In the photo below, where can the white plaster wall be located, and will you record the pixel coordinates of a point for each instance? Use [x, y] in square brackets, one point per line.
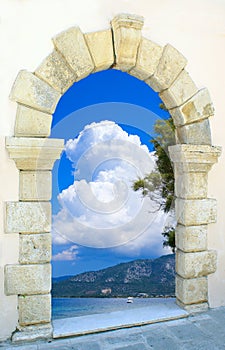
[195, 27]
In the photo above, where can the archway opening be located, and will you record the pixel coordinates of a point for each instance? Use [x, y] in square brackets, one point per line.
[108, 112]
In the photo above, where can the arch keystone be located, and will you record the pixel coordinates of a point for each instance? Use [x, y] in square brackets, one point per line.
[127, 36]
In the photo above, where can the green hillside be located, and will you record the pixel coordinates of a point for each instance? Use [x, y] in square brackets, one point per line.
[152, 277]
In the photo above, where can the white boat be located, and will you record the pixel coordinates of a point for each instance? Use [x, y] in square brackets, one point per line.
[130, 300]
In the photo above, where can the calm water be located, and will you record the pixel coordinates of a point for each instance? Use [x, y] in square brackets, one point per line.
[72, 307]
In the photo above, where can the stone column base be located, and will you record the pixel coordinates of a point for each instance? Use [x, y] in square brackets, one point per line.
[35, 332]
[193, 308]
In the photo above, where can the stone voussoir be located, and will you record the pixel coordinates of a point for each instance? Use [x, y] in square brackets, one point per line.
[192, 212]
[191, 238]
[192, 291]
[35, 185]
[100, 45]
[35, 248]
[71, 44]
[34, 309]
[28, 217]
[55, 71]
[148, 58]
[171, 63]
[198, 264]
[197, 108]
[32, 123]
[195, 134]
[31, 91]
[181, 90]
[127, 36]
[27, 279]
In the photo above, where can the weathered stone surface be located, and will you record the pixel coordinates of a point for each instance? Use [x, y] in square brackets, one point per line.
[31, 91]
[195, 134]
[35, 248]
[148, 58]
[127, 35]
[192, 265]
[27, 279]
[100, 45]
[193, 308]
[34, 309]
[28, 217]
[35, 185]
[194, 158]
[34, 153]
[179, 92]
[191, 238]
[195, 212]
[191, 291]
[34, 332]
[191, 185]
[199, 107]
[32, 123]
[73, 47]
[56, 72]
[169, 67]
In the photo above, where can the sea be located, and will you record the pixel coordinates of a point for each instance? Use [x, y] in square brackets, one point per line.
[74, 307]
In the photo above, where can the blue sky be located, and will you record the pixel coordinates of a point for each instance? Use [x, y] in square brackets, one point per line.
[107, 121]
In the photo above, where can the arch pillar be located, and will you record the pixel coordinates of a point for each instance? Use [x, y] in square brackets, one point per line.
[194, 212]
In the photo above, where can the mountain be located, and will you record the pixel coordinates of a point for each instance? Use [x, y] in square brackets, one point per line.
[145, 277]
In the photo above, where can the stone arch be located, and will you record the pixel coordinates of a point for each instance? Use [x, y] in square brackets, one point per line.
[75, 56]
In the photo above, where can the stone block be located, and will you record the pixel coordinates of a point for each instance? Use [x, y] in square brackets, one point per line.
[182, 89]
[28, 217]
[33, 332]
[191, 238]
[193, 308]
[100, 45]
[127, 36]
[35, 248]
[198, 264]
[195, 134]
[194, 158]
[191, 185]
[170, 66]
[31, 91]
[34, 153]
[148, 58]
[192, 291]
[32, 123]
[71, 44]
[195, 212]
[35, 185]
[56, 72]
[199, 107]
[34, 309]
[27, 279]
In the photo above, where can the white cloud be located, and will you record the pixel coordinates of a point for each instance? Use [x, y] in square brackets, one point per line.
[100, 209]
[69, 254]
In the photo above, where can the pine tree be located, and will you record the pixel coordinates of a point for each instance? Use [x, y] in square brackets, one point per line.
[159, 184]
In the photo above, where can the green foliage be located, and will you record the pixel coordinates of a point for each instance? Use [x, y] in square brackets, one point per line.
[159, 184]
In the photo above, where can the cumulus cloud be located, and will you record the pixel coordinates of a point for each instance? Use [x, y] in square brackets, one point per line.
[100, 209]
[69, 254]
